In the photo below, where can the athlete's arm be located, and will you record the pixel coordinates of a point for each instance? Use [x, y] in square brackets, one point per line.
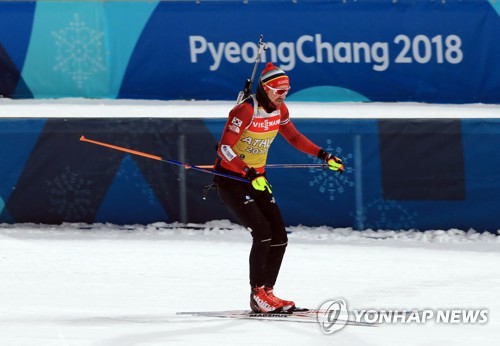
[294, 137]
[239, 119]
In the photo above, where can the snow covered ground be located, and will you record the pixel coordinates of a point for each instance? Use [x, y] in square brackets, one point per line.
[105, 285]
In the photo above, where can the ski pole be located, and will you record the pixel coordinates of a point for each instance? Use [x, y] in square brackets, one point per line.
[285, 165]
[159, 158]
[247, 90]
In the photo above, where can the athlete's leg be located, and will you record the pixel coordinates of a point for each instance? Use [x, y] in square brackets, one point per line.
[270, 209]
[240, 198]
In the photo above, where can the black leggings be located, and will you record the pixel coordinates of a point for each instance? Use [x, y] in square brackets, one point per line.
[259, 213]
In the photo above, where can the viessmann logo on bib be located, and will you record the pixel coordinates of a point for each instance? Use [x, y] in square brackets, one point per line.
[265, 124]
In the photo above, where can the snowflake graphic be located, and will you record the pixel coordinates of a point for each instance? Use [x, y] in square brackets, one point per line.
[390, 215]
[69, 196]
[79, 51]
[332, 184]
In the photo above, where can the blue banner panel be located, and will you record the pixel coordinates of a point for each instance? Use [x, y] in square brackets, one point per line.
[17, 140]
[426, 51]
[422, 160]
[81, 48]
[433, 174]
[16, 19]
[365, 50]
[66, 180]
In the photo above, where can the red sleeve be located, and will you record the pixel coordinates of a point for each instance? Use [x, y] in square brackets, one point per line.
[239, 119]
[293, 136]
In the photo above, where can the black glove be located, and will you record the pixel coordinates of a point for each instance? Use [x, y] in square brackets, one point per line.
[334, 163]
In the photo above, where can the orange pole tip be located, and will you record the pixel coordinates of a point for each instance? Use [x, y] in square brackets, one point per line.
[82, 138]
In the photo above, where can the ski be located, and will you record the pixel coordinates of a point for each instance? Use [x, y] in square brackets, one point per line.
[299, 315]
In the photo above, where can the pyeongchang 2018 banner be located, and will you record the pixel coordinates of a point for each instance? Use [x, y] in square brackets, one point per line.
[364, 50]
[427, 51]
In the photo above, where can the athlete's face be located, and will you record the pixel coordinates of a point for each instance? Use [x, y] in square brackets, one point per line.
[277, 95]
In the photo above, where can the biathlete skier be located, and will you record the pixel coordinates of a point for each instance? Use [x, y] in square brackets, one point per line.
[249, 131]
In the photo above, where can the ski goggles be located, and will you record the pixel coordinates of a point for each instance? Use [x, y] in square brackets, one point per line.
[279, 91]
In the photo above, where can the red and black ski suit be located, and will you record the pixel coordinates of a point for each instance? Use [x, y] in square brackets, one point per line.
[245, 142]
